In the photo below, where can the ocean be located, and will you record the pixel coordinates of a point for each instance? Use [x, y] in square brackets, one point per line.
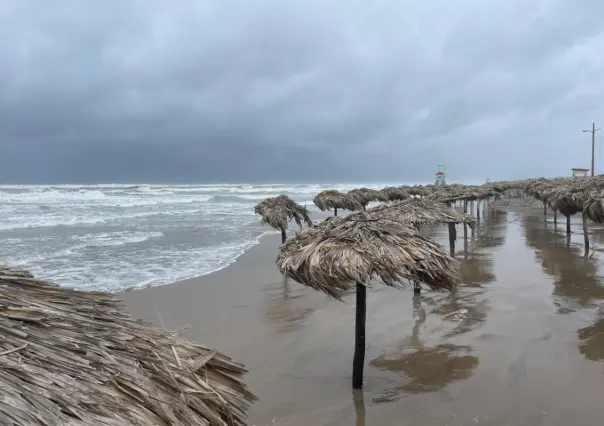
[118, 237]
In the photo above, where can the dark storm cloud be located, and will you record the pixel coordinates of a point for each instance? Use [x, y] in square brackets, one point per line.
[227, 90]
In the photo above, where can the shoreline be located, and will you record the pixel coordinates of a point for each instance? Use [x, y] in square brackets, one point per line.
[513, 205]
[257, 241]
[269, 233]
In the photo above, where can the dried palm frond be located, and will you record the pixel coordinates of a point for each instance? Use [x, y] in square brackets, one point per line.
[341, 252]
[278, 211]
[333, 199]
[69, 357]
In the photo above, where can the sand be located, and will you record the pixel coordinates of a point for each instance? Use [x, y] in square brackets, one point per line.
[520, 343]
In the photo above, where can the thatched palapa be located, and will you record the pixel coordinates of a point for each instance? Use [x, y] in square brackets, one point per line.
[395, 193]
[336, 200]
[421, 212]
[594, 206]
[365, 196]
[278, 211]
[76, 358]
[341, 254]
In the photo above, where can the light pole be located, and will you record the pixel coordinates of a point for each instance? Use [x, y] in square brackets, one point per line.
[593, 144]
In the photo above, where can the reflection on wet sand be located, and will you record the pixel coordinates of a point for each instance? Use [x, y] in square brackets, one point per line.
[476, 269]
[466, 308]
[286, 308]
[592, 341]
[576, 278]
[358, 397]
[430, 369]
[425, 369]
[577, 283]
[493, 231]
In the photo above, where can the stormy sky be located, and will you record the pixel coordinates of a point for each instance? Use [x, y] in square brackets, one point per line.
[298, 91]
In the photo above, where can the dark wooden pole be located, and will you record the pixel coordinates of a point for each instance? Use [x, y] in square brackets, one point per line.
[335, 211]
[585, 234]
[478, 210]
[283, 236]
[452, 237]
[545, 210]
[358, 362]
[465, 225]
[568, 224]
[472, 214]
[555, 219]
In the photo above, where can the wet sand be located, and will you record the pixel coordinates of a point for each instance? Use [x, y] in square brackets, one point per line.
[520, 343]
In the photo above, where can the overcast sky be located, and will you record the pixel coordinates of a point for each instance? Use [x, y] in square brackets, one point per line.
[307, 91]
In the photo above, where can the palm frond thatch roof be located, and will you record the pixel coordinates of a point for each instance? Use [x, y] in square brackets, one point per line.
[395, 193]
[594, 206]
[366, 195]
[567, 200]
[333, 199]
[418, 190]
[76, 358]
[341, 252]
[278, 211]
[421, 212]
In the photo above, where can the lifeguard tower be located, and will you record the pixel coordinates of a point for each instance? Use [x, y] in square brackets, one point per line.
[440, 176]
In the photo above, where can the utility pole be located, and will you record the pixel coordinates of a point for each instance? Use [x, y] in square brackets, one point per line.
[593, 144]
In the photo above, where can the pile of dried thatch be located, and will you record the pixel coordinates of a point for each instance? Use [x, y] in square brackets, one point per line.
[76, 358]
[341, 252]
[278, 211]
[332, 199]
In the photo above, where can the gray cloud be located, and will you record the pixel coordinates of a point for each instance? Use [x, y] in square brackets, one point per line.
[145, 90]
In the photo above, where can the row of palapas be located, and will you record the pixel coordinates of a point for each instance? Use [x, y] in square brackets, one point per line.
[77, 358]
[344, 254]
[341, 255]
[569, 196]
[417, 205]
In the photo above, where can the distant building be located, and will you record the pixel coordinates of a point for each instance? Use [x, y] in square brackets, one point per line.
[580, 172]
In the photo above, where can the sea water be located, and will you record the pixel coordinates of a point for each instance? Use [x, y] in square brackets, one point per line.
[117, 237]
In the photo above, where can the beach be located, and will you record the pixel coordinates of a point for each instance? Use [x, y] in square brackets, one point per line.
[519, 343]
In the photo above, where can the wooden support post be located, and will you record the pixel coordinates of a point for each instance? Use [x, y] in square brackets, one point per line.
[358, 363]
[585, 234]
